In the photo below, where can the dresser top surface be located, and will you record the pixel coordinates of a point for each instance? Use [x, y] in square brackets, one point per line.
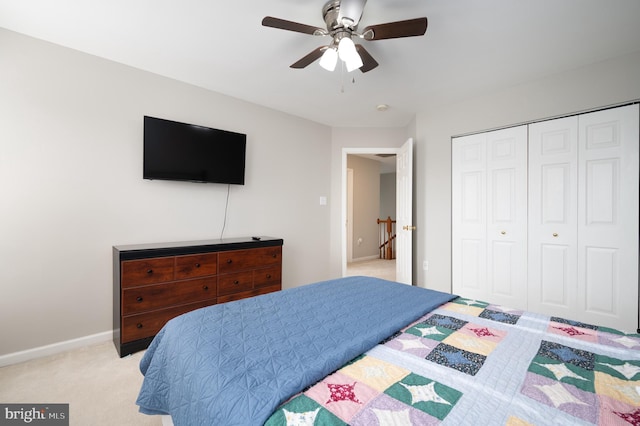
[187, 247]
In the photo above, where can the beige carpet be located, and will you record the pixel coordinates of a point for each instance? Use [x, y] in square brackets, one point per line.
[380, 268]
[100, 388]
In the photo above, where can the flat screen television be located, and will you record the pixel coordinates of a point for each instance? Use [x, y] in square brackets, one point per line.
[186, 152]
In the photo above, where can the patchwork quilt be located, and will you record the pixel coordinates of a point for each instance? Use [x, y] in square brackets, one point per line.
[474, 363]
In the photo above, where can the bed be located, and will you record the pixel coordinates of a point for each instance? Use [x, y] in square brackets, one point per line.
[365, 351]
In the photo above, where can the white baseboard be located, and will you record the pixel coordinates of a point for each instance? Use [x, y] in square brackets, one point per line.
[362, 259]
[55, 348]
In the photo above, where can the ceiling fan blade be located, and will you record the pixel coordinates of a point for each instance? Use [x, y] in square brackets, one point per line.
[282, 24]
[367, 59]
[408, 28]
[351, 10]
[310, 58]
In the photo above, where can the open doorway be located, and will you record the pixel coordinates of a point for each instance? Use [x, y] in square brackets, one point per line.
[404, 207]
[371, 212]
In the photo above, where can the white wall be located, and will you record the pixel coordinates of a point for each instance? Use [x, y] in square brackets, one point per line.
[366, 205]
[606, 83]
[387, 196]
[71, 185]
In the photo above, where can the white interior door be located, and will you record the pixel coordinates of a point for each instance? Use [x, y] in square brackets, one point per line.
[507, 216]
[608, 217]
[469, 224]
[404, 213]
[553, 217]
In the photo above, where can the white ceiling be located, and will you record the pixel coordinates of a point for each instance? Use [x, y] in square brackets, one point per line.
[471, 47]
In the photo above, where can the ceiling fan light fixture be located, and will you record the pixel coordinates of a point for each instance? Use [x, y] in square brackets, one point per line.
[346, 48]
[354, 63]
[348, 53]
[329, 59]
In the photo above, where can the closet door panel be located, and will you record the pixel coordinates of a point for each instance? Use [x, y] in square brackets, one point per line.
[503, 277]
[473, 254]
[469, 252]
[555, 268]
[602, 283]
[608, 217]
[471, 275]
[553, 148]
[507, 216]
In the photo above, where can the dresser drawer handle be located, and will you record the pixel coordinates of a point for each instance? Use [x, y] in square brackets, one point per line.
[275, 255]
[229, 261]
[268, 276]
[205, 287]
[149, 271]
[236, 282]
[139, 299]
[139, 325]
[197, 265]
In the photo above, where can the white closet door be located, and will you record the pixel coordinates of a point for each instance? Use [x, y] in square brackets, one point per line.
[469, 225]
[608, 217]
[489, 208]
[553, 216]
[507, 216]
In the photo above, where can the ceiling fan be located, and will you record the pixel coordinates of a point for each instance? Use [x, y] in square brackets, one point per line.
[341, 18]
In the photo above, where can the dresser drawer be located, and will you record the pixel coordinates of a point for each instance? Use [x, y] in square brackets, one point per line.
[267, 277]
[147, 271]
[136, 327]
[268, 256]
[196, 265]
[246, 259]
[234, 283]
[157, 296]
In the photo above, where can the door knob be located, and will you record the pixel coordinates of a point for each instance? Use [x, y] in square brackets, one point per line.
[409, 228]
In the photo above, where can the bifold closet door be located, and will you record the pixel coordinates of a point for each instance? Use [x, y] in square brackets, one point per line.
[553, 217]
[489, 216]
[608, 216]
[583, 217]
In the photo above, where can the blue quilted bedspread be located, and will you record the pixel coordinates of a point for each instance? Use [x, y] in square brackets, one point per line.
[235, 363]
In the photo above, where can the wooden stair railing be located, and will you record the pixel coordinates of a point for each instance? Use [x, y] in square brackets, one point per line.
[386, 238]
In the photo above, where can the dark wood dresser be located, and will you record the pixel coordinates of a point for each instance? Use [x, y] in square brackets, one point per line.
[153, 283]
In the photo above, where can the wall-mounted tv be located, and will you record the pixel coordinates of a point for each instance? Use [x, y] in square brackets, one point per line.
[186, 152]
